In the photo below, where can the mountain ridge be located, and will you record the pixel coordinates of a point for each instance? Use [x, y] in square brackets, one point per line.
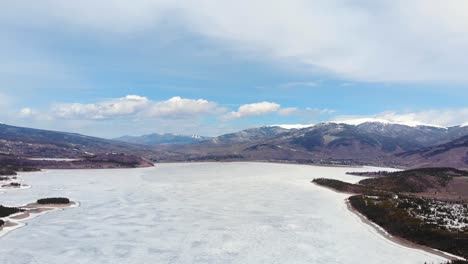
[156, 139]
[31, 142]
[336, 143]
[369, 143]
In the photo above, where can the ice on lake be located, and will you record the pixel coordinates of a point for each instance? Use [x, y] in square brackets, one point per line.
[197, 213]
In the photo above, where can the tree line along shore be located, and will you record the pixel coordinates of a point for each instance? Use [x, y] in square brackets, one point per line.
[44, 203]
[421, 205]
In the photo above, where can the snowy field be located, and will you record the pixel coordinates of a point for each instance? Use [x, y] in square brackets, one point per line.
[197, 213]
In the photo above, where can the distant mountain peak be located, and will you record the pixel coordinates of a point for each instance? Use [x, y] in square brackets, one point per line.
[359, 121]
[166, 138]
[293, 126]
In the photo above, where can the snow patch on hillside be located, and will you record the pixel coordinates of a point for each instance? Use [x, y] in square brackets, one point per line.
[293, 126]
[358, 121]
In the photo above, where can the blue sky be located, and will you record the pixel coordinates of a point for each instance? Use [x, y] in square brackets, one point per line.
[210, 67]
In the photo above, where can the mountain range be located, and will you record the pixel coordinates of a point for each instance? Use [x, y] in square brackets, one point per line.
[31, 143]
[370, 143]
[156, 139]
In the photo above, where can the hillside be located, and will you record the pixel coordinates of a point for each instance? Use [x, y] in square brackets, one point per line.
[326, 143]
[29, 142]
[96, 161]
[453, 154]
[332, 141]
[422, 135]
[427, 206]
[36, 148]
[224, 147]
[443, 181]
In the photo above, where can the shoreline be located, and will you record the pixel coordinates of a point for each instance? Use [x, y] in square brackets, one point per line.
[399, 240]
[383, 232]
[395, 239]
[33, 210]
[273, 162]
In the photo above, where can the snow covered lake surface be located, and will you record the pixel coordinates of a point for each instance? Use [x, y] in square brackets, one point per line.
[197, 213]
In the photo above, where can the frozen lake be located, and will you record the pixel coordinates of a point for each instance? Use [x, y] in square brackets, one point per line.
[197, 213]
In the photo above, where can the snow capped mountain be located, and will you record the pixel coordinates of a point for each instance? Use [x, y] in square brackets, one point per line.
[359, 121]
[155, 139]
[293, 126]
[250, 134]
[358, 143]
[365, 143]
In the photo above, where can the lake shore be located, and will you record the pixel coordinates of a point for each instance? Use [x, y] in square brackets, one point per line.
[32, 210]
[399, 240]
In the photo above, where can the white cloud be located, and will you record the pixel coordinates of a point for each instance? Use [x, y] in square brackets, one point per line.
[33, 115]
[264, 108]
[417, 40]
[130, 106]
[249, 110]
[26, 113]
[178, 107]
[363, 40]
[134, 105]
[124, 106]
[443, 118]
[114, 16]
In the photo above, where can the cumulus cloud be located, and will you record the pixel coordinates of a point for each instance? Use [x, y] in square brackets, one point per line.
[124, 106]
[130, 106]
[175, 108]
[254, 109]
[264, 108]
[178, 107]
[444, 118]
[418, 40]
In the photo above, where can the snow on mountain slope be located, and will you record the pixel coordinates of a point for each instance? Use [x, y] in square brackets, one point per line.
[293, 126]
[359, 121]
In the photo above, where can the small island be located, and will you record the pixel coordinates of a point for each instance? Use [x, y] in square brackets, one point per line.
[12, 218]
[55, 200]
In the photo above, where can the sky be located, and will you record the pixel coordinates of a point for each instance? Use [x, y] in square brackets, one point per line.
[112, 68]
